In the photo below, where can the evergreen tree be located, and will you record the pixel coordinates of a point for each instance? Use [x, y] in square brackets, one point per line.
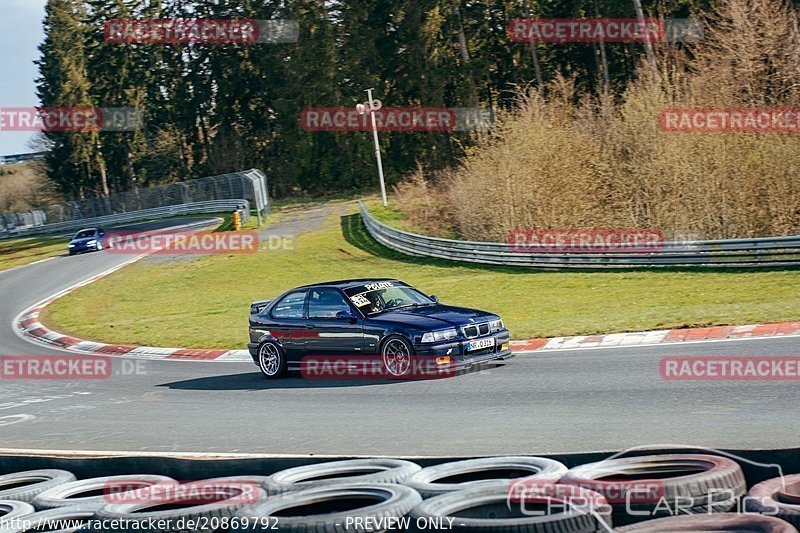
[75, 162]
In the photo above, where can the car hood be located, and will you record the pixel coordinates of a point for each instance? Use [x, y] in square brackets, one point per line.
[431, 317]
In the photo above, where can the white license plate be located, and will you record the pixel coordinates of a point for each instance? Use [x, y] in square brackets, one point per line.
[480, 344]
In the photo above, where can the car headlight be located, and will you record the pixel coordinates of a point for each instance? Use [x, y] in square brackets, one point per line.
[91, 243]
[71, 245]
[441, 335]
[496, 325]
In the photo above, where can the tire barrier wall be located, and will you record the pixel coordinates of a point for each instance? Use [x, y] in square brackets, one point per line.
[327, 494]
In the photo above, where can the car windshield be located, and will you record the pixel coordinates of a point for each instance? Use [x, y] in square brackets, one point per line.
[84, 233]
[379, 297]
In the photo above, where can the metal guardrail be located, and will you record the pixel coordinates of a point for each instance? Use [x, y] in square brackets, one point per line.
[730, 253]
[250, 185]
[13, 159]
[193, 208]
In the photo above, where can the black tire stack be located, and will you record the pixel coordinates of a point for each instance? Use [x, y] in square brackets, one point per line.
[519, 494]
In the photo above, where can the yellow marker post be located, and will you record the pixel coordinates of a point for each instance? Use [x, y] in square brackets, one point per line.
[237, 221]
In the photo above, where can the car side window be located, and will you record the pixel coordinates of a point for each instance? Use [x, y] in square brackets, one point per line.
[326, 303]
[290, 306]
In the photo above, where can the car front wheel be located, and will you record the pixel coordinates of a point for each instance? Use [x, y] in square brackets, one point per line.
[396, 355]
[271, 360]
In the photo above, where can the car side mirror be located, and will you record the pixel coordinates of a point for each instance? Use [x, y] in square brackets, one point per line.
[434, 298]
[346, 315]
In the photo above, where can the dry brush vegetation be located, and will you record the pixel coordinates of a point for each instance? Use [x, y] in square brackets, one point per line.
[568, 160]
[23, 187]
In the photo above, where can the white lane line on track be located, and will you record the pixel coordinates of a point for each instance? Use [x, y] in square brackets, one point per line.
[15, 419]
[28, 264]
[44, 301]
[20, 331]
[649, 345]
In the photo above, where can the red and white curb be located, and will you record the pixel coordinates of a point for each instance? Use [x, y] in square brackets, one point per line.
[662, 336]
[28, 326]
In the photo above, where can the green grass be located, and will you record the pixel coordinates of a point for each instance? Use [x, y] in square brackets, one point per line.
[203, 303]
[17, 252]
[389, 215]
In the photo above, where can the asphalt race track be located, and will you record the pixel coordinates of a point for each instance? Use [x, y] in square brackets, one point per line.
[543, 402]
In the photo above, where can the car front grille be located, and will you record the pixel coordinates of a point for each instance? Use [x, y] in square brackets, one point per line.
[475, 330]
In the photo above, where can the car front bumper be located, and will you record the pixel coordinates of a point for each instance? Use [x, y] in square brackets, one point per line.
[461, 358]
[78, 248]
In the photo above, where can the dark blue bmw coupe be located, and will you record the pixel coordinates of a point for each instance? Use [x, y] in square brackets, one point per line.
[385, 321]
[89, 239]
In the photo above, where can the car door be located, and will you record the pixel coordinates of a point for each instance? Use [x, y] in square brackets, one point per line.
[331, 334]
[287, 323]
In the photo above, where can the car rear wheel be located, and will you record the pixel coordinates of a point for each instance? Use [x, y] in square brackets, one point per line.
[271, 360]
[396, 355]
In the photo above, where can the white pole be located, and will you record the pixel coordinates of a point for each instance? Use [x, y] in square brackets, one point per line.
[377, 147]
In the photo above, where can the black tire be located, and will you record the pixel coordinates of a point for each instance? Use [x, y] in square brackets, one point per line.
[781, 494]
[331, 509]
[149, 513]
[339, 472]
[459, 475]
[68, 494]
[27, 485]
[271, 360]
[687, 480]
[11, 509]
[393, 348]
[489, 508]
[714, 522]
[66, 515]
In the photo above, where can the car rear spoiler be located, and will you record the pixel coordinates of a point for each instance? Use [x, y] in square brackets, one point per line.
[257, 306]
